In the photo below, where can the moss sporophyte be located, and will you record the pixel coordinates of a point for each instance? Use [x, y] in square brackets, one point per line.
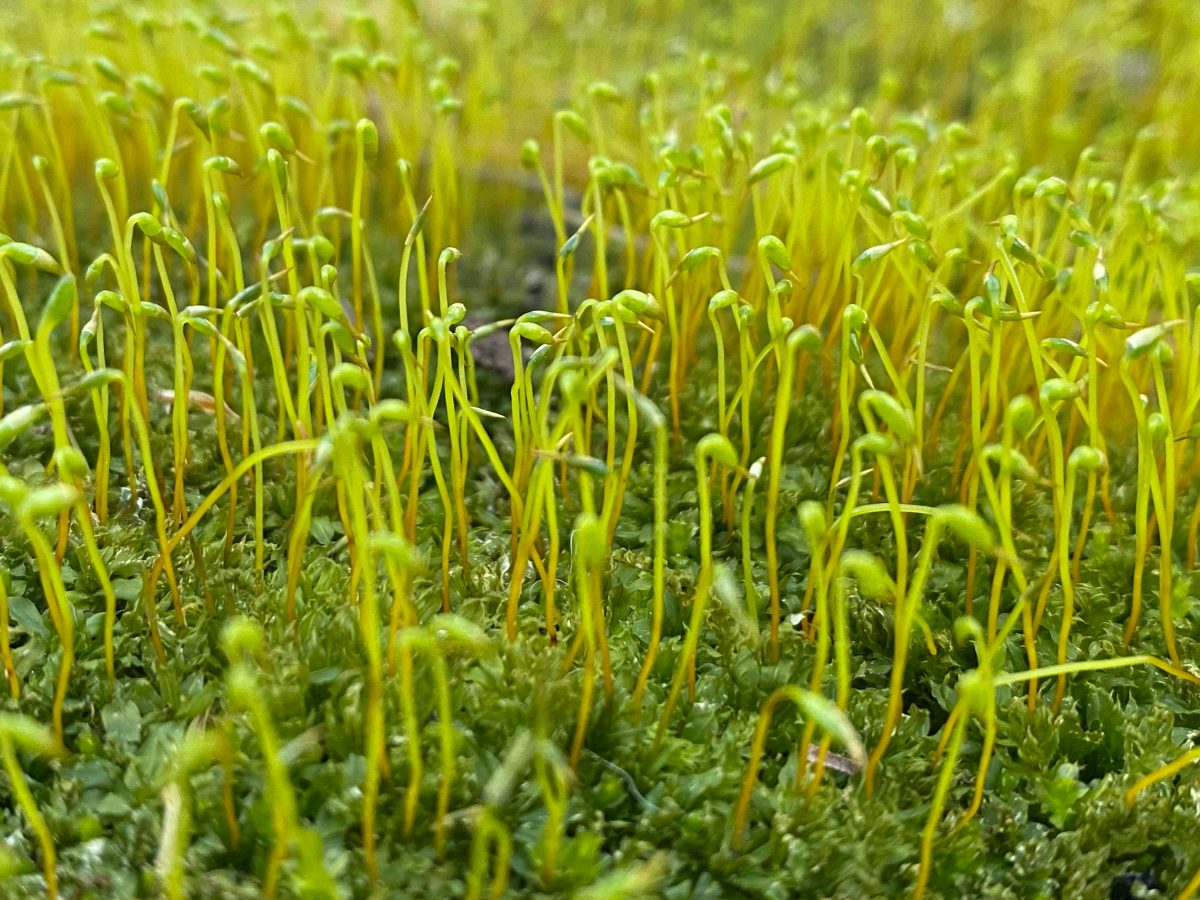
[440, 443]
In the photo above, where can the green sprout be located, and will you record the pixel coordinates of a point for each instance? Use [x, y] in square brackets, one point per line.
[21, 732]
[718, 448]
[815, 708]
[808, 339]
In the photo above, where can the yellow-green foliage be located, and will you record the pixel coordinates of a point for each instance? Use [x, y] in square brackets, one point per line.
[928, 267]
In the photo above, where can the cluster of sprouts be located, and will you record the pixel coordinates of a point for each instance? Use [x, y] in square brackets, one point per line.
[212, 248]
